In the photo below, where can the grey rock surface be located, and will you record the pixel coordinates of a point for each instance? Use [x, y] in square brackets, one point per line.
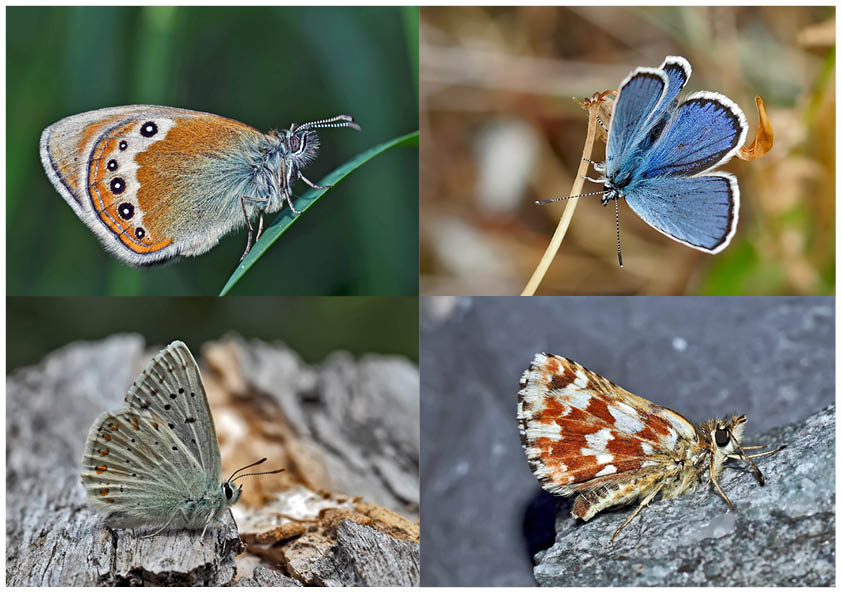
[769, 358]
[782, 534]
[54, 539]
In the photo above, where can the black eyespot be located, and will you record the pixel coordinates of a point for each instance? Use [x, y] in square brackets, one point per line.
[294, 144]
[181, 391]
[172, 426]
[149, 129]
[123, 145]
[174, 448]
[111, 165]
[167, 406]
[189, 420]
[228, 492]
[172, 395]
[118, 185]
[721, 436]
[139, 233]
[126, 210]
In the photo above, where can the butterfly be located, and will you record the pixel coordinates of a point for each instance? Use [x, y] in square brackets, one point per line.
[155, 183]
[660, 154]
[585, 435]
[156, 461]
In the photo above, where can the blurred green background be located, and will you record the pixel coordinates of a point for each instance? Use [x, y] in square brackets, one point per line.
[501, 131]
[313, 327]
[266, 67]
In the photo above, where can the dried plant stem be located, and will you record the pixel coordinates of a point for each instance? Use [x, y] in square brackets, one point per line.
[567, 215]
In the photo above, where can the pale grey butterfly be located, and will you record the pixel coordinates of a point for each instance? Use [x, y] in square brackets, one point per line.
[156, 461]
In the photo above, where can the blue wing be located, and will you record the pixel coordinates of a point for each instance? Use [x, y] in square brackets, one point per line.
[678, 72]
[700, 212]
[638, 97]
[705, 131]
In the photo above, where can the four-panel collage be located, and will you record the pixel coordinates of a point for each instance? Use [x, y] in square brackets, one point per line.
[437, 296]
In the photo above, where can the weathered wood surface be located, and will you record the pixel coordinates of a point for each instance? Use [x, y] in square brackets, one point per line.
[346, 431]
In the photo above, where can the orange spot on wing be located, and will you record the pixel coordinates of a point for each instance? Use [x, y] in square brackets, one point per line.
[104, 451]
[625, 447]
[101, 469]
[107, 436]
[560, 381]
[103, 492]
[599, 409]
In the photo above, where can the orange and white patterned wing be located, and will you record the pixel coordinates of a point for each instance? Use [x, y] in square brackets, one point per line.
[577, 427]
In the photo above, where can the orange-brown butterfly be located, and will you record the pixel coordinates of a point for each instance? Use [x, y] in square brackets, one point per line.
[154, 183]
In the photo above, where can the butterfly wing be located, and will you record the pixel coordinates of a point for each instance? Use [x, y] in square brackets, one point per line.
[706, 130]
[677, 70]
[171, 388]
[152, 182]
[700, 212]
[639, 95]
[578, 428]
[137, 470]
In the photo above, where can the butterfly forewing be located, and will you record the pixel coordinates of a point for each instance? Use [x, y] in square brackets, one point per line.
[171, 387]
[577, 426]
[706, 130]
[135, 468]
[638, 97]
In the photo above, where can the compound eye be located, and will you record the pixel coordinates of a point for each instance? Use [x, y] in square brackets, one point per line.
[294, 144]
[228, 491]
[721, 437]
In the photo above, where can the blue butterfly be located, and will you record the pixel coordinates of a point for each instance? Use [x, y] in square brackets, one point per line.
[660, 154]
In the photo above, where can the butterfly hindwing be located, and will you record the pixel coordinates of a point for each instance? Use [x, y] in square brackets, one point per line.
[171, 387]
[142, 177]
[136, 469]
[700, 212]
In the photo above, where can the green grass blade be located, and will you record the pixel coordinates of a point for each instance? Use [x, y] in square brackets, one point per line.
[287, 217]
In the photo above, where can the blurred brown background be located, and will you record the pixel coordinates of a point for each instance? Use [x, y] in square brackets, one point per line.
[500, 130]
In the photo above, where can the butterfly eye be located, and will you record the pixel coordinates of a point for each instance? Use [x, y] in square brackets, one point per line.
[228, 491]
[294, 144]
[721, 437]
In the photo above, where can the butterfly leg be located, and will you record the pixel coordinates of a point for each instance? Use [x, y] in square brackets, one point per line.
[207, 524]
[311, 184]
[719, 489]
[645, 502]
[260, 227]
[744, 457]
[288, 196]
[249, 242]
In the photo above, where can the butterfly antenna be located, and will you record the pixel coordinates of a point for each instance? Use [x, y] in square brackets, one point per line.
[617, 212]
[549, 200]
[263, 460]
[342, 121]
[258, 473]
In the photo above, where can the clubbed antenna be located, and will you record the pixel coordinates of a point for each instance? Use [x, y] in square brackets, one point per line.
[342, 121]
